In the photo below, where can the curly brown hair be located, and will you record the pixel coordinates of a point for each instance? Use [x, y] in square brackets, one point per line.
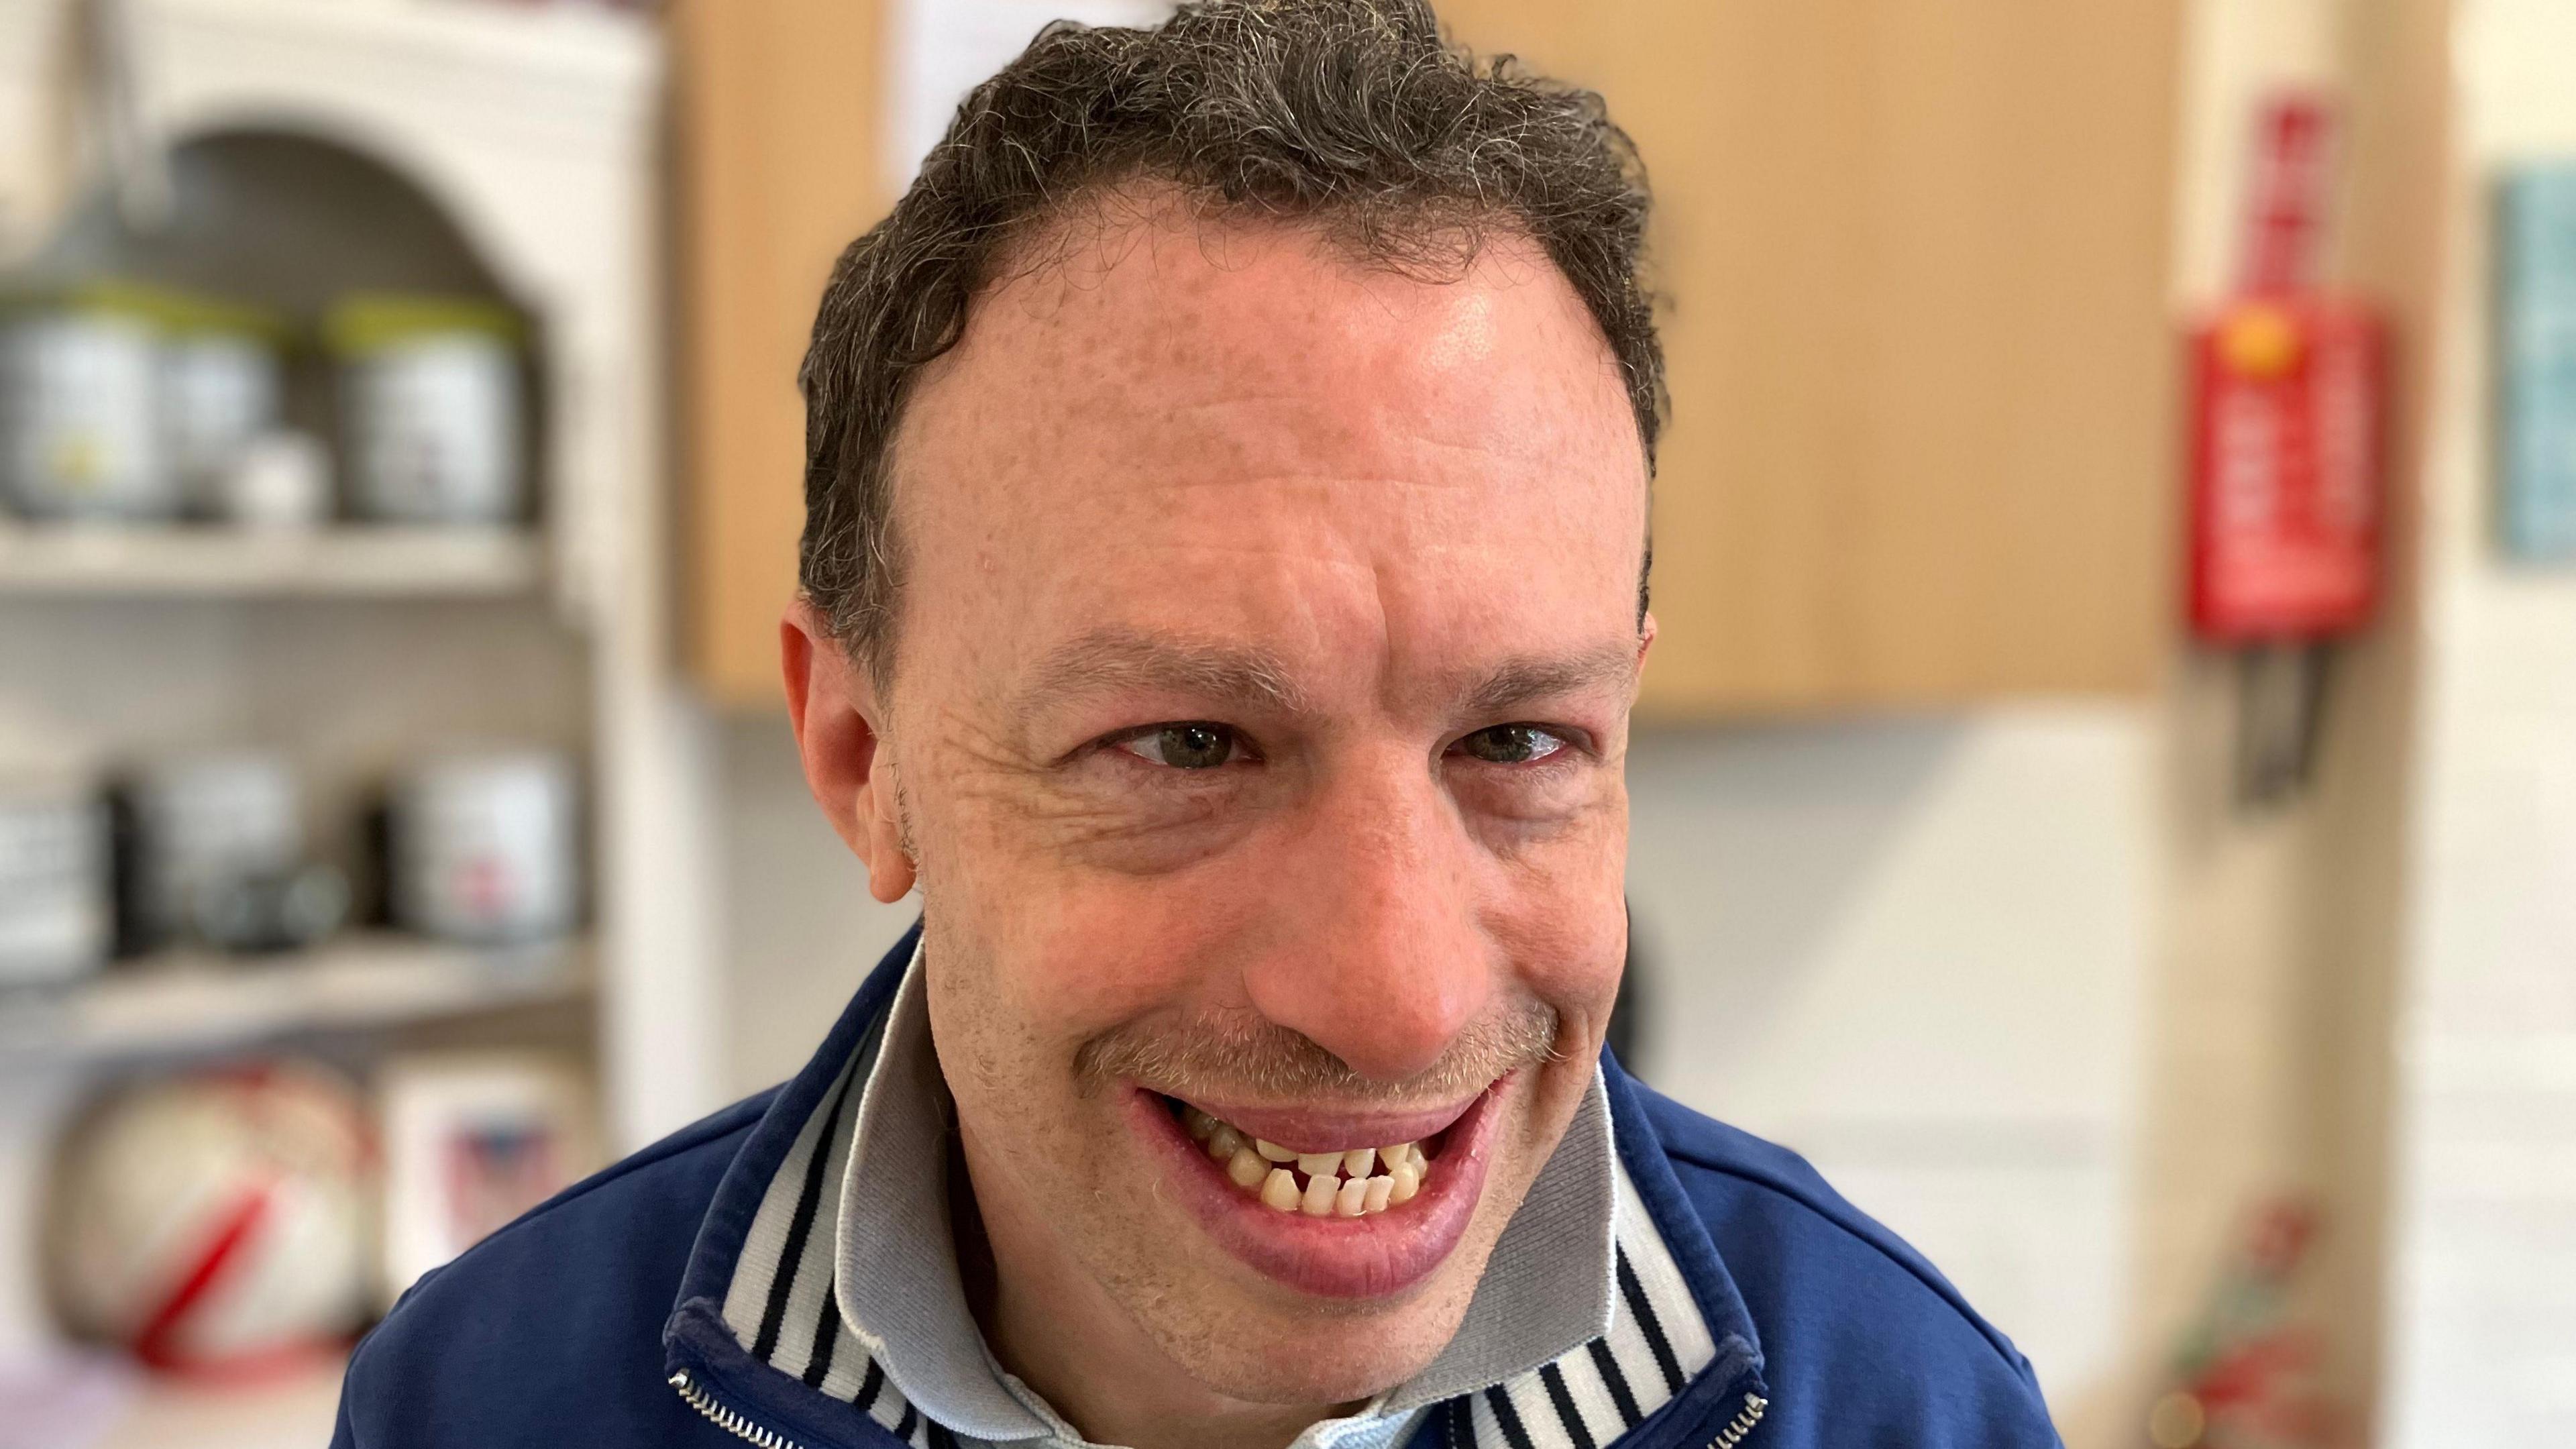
[1357, 117]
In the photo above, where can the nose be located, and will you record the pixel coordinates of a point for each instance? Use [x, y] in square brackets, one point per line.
[1378, 958]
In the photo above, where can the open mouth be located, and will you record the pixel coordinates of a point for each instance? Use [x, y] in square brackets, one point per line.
[1329, 1199]
[1354, 1182]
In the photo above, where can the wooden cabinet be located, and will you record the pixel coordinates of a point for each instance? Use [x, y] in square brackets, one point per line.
[777, 107]
[1921, 354]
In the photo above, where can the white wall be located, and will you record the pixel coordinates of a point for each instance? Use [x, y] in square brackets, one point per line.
[1913, 950]
[800, 929]
[1916, 952]
[2483, 1343]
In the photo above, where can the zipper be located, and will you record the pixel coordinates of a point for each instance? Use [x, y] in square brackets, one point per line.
[715, 1412]
[1733, 1434]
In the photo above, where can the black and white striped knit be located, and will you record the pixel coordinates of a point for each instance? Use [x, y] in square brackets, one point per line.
[1539, 1372]
[1657, 1342]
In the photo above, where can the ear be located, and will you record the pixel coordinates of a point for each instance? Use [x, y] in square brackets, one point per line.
[840, 735]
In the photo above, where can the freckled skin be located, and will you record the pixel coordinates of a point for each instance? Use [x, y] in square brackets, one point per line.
[1233, 436]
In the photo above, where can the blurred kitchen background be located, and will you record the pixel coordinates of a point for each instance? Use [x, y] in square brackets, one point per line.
[2106, 789]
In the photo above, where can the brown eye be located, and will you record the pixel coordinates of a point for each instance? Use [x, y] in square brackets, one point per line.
[1188, 746]
[1511, 744]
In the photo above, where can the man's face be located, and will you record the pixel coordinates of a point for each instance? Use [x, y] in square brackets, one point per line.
[1258, 714]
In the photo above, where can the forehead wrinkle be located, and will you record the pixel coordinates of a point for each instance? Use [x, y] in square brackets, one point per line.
[1114, 659]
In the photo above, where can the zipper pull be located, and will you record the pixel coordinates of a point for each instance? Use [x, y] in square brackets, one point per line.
[1733, 1434]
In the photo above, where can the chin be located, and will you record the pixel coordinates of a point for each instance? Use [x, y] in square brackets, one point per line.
[1268, 1354]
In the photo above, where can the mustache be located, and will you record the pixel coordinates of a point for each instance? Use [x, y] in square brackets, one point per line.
[1242, 1056]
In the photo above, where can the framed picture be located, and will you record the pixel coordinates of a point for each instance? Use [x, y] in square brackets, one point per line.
[472, 1140]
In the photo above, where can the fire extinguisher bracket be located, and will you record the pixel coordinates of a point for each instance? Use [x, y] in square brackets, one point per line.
[2287, 390]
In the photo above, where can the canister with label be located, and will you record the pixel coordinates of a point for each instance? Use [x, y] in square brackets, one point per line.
[80, 415]
[54, 894]
[206, 824]
[485, 847]
[430, 409]
[221, 366]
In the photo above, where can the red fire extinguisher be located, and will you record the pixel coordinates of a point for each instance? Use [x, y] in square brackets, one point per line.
[2287, 496]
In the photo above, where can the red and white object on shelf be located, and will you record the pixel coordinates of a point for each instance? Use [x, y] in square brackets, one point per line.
[216, 1221]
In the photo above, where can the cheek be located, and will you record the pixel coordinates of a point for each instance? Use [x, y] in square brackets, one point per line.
[1562, 921]
[1574, 965]
[1085, 954]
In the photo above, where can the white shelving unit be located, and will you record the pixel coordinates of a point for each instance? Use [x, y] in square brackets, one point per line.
[193, 1002]
[183, 562]
[535, 133]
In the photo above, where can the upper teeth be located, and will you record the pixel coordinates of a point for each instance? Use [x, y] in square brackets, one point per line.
[1337, 1183]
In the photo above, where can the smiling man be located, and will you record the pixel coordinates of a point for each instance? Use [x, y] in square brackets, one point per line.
[1224, 593]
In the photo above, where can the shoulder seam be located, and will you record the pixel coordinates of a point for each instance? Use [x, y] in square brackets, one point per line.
[1948, 1296]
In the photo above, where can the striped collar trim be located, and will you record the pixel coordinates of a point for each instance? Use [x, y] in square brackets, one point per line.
[1657, 1344]
[780, 1305]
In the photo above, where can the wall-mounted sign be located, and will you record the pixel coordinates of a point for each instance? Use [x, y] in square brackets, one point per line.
[2536, 362]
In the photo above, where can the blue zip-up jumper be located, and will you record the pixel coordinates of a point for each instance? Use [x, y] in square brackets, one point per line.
[595, 1318]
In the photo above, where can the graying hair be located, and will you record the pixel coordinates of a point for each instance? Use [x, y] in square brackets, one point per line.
[1355, 116]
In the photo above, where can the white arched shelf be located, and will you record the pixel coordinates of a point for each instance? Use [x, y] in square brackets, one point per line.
[533, 130]
[292, 216]
[533, 134]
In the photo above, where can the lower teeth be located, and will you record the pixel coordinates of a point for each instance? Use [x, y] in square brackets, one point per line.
[1337, 1184]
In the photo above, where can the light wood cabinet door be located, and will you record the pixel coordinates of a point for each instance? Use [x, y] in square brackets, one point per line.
[1915, 255]
[777, 107]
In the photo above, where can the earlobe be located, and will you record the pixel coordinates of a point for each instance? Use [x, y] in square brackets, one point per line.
[832, 706]
[891, 871]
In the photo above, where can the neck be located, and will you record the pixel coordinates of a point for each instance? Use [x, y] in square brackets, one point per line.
[1053, 1326]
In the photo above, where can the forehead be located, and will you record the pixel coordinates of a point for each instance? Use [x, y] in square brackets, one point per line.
[1227, 430]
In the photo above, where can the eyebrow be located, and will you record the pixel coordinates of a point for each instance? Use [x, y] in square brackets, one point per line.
[1520, 681]
[1111, 661]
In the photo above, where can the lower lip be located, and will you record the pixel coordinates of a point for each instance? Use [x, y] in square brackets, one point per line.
[1332, 1257]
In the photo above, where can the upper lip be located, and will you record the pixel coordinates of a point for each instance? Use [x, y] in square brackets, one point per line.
[1334, 1129]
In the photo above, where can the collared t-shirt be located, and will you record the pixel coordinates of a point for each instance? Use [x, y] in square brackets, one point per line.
[849, 1280]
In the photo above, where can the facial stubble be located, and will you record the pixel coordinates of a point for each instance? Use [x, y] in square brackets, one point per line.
[1202, 1312]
